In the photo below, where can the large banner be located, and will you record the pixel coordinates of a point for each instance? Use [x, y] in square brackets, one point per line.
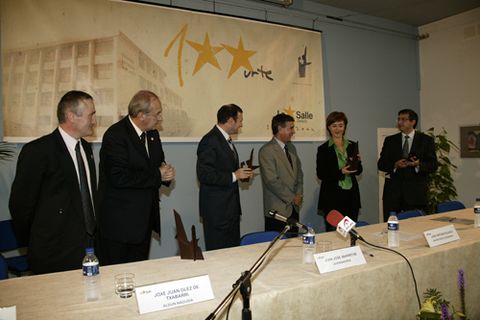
[195, 62]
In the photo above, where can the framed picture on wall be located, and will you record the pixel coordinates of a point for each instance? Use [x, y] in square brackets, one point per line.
[470, 142]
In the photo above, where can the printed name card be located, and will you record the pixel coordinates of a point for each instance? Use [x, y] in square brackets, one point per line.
[172, 294]
[439, 236]
[339, 259]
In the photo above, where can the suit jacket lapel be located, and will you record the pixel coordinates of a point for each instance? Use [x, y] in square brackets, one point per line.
[282, 156]
[225, 145]
[134, 138]
[398, 143]
[66, 162]
[415, 143]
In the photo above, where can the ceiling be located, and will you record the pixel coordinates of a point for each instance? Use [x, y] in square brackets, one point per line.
[411, 12]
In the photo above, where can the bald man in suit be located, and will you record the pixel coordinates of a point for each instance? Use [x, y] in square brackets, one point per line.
[282, 175]
[132, 170]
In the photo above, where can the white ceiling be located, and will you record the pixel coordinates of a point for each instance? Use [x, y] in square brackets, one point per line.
[412, 12]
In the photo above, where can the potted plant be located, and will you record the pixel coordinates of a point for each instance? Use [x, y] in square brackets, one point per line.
[440, 183]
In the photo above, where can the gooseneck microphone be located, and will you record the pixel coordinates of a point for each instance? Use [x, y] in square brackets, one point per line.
[290, 221]
[343, 224]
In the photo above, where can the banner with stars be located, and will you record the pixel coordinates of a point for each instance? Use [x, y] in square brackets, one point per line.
[195, 62]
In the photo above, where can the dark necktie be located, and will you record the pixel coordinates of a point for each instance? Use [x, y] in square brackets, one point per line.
[405, 148]
[288, 156]
[232, 147]
[142, 140]
[85, 193]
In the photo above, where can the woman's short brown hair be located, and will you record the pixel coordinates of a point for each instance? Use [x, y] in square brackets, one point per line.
[336, 116]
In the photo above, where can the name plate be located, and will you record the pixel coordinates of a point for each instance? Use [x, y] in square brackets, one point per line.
[172, 294]
[339, 259]
[439, 236]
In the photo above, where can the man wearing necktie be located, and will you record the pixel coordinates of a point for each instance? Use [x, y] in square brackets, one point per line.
[218, 173]
[282, 175]
[407, 158]
[132, 169]
[53, 196]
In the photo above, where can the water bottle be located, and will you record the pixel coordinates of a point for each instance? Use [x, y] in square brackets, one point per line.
[393, 233]
[91, 273]
[309, 247]
[476, 211]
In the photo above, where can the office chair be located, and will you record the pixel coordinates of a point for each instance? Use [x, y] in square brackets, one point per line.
[258, 237]
[449, 206]
[16, 264]
[409, 214]
[3, 268]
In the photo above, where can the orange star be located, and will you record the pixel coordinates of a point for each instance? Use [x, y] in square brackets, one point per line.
[206, 53]
[240, 57]
[289, 111]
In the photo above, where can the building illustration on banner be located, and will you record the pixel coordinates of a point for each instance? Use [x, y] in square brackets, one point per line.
[111, 69]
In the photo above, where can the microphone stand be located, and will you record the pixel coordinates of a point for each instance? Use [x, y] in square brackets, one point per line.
[244, 283]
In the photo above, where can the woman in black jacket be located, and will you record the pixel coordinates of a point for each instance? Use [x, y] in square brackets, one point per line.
[337, 165]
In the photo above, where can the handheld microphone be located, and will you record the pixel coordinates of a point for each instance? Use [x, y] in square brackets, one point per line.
[343, 224]
[290, 221]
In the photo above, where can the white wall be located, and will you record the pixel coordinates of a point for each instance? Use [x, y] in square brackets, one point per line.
[450, 92]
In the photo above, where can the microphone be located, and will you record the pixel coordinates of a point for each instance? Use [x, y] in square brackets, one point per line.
[290, 221]
[343, 224]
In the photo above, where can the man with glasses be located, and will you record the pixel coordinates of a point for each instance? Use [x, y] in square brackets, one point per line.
[407, 158]
[132, 169]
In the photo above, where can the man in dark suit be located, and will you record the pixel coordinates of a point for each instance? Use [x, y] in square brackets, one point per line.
[132, 169]
[407, 158]
[282, 175]
[218, 173]
[49, 210]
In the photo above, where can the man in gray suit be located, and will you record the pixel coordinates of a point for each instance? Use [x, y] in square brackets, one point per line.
[282, 176]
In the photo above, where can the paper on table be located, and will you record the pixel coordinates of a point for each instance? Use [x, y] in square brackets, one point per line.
[8, 313]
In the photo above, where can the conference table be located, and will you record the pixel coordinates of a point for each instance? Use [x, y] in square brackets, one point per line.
[284, 287]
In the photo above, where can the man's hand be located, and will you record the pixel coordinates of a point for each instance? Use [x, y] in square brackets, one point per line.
[402, 163]
[167, 172]
[243, 173]
[413, 162]
[297, 200]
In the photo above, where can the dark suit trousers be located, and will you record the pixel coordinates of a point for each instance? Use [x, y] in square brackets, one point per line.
[226, 235]
[396, 202]
[275, 225]
[115, 252]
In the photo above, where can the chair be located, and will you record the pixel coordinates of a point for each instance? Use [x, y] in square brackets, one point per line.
[409, 214]
[16, 264]
[449, 206]
[258, 237]
[3, 268]
[361, 223]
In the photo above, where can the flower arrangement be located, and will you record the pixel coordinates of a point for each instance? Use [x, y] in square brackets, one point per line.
[436, 307]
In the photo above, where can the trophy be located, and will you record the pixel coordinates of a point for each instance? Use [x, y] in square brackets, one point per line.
[248, 164]
[353, 160]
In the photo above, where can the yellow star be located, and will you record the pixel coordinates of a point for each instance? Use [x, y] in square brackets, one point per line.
[240, 57]
[206, 53]
[289, 111]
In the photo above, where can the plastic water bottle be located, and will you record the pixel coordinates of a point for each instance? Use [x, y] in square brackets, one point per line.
[309, 247]
[476, 211]
[393, 231]
[91, 273]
